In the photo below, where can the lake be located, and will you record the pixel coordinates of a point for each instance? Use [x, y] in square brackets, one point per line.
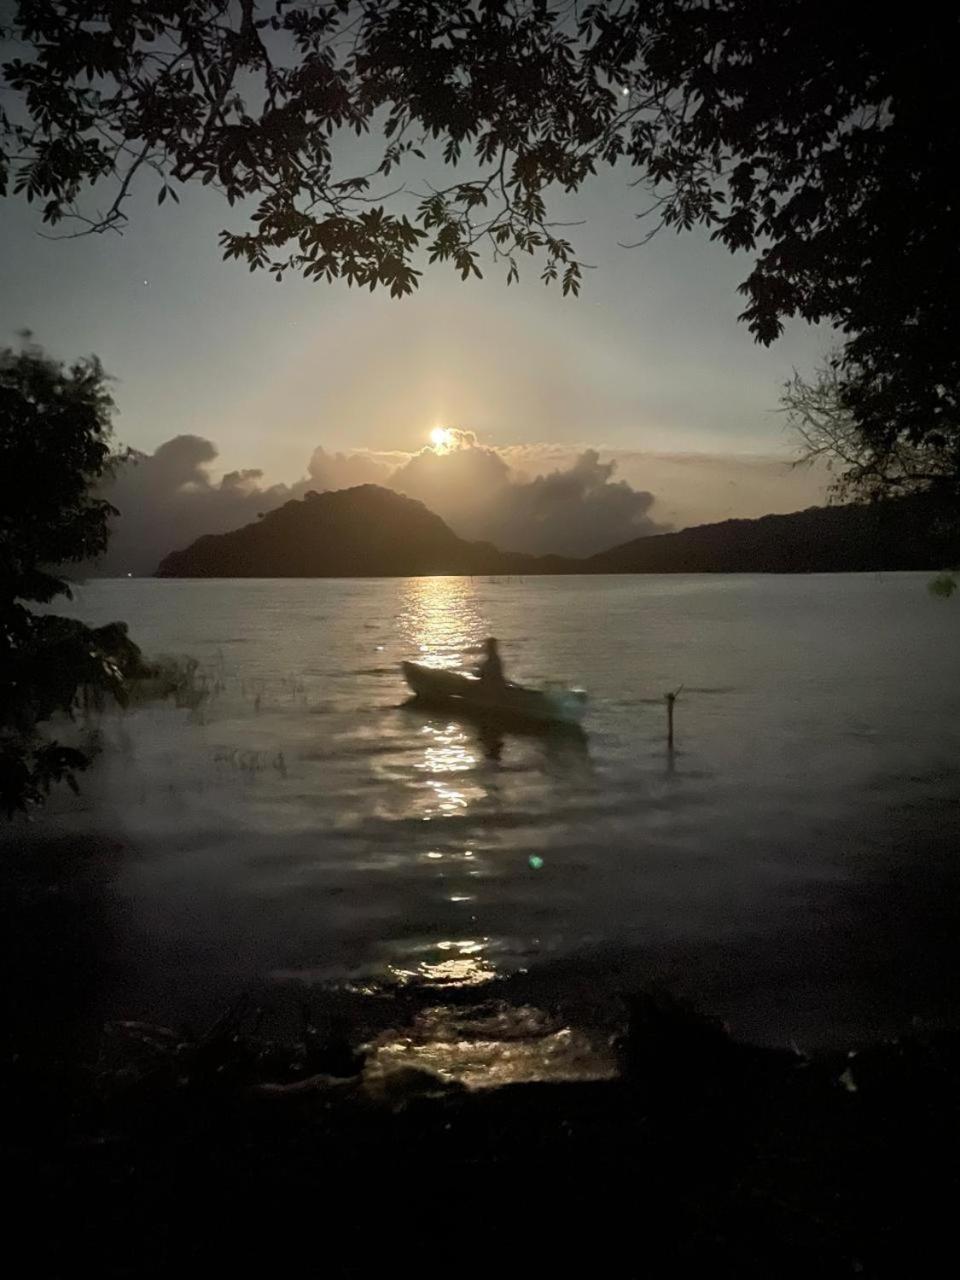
[791, 866]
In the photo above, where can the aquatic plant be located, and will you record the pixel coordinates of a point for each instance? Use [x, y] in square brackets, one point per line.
[944, 584]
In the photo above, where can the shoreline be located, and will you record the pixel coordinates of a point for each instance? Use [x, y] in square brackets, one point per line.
[163, 1151]
[701, 1150]
[874, 975]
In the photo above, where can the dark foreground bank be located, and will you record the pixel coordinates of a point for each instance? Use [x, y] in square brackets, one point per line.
[168, 1155]
[303, 1145]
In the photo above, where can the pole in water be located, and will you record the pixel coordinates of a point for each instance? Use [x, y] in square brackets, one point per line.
[670, 699]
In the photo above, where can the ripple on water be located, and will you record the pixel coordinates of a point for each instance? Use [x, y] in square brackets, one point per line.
[290, 822]
[490, 1044]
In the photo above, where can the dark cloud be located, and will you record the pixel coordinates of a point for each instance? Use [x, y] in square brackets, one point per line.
[581, 510]
[167, 499]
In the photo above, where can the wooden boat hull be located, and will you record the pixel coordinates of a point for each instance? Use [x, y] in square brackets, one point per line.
[563, 706]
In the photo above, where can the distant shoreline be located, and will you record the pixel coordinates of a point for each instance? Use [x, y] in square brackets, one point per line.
[594, 573]
[371, 532]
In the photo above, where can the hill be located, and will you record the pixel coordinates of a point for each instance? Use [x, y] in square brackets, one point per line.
[367, 531]
[842, 539]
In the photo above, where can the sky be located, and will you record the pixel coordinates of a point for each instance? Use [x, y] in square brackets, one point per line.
[649, 367]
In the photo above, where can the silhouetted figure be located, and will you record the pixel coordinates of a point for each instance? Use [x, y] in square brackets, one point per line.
[490, 669]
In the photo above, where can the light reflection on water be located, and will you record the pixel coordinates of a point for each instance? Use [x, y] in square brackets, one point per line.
[302, 822]
[442, 621]
[448, 751]
[489, 1045]
[464, 964]
[444, 627]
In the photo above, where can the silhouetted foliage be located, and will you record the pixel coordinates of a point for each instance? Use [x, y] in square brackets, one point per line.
[870, 468]
[862, 467]
[819, 138]
[54, 447]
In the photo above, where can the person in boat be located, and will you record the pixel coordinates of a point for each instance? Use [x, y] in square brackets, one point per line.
[490, 669]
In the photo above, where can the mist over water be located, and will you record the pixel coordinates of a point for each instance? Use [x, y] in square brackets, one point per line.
[791, 866]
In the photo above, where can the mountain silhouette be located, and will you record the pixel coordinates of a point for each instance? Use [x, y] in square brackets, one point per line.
[369, 531]
[898, 534]
[366, 531]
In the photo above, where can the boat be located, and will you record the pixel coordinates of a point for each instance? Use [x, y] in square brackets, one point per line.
[484, 698]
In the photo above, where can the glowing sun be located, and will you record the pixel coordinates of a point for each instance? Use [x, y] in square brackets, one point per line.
[441, 438]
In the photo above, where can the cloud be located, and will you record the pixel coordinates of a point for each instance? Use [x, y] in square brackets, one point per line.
[580, 510]
[695, 488]
[575, 510]
[539, 497]
[344, 470]
[168, 498]
[701, 488]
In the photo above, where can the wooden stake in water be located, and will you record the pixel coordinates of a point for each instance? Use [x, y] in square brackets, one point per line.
[670, 699]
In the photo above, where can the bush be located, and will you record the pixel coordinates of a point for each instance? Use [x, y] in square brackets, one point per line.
[55, 433]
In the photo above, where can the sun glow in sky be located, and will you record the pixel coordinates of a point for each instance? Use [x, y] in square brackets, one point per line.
[650, 360]
[441, 438]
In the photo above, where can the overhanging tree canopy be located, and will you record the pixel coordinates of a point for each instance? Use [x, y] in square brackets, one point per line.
[818, 138]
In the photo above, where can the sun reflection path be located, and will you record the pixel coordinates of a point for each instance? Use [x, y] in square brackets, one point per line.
[441, 620]
[463, 965]
[447, 754]
[442, 625]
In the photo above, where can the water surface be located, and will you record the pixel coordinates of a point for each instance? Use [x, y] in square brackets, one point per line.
[792, 865]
